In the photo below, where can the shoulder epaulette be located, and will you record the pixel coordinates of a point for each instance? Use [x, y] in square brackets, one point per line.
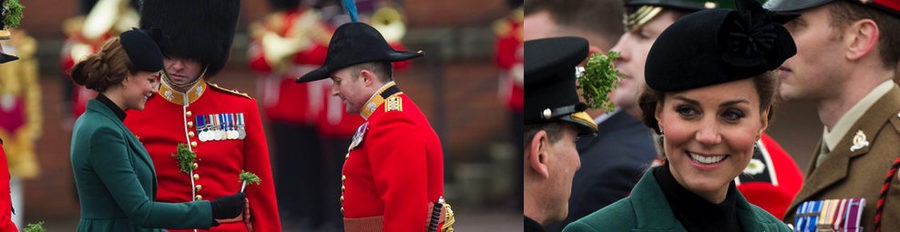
[393, 103]
[235, 92]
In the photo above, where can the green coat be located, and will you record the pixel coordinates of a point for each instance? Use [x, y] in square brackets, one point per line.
[647, 210]
[116, 181]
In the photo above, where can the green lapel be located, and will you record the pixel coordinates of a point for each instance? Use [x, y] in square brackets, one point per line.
[142, 154]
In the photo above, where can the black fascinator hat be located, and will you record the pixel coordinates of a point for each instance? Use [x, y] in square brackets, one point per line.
[716, 46]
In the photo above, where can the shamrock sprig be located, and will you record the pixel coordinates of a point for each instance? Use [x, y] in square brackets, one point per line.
[598, 80]
[35, 227]
[12, 14]
[185, 158]
[248, 177]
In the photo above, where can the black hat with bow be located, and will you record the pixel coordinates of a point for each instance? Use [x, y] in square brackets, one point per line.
[716, 46]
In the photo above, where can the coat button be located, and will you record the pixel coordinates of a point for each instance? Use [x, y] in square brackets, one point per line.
[342, 199]
[198, 187]
[198, 197]
[342, 188]
[195, 166]
[193, 143]
[190, 134]
[188, 113]
[190, 124]
[196, 176]
[342, 210]
[343, 177]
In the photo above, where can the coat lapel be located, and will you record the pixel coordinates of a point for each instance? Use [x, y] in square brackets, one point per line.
[141, 152]
[835, 166]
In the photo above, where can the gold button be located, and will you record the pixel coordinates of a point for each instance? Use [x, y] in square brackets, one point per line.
[196, 165]
[196, 176]
[190, 134]
[190, 124]
[187, 114]
[342, 210]
[343, 177]
[342, 188]
[198, 197]
[193, 143]
[198, 187]
[342, 199]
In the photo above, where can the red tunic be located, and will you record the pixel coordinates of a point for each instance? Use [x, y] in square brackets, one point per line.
[509, 57]
[773, 185]
[164, 123]
[6, 223]
[395, 165]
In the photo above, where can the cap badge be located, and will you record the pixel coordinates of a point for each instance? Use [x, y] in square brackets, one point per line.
[859, 141]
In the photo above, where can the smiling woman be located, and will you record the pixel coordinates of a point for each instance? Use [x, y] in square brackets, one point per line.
[711, 104]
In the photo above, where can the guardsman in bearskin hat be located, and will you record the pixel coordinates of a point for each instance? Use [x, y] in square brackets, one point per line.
[847, 53]
[392, 179]
[19, 115]
[772, 178]
[220, 129]
[288, 43]
[99, 20]
[554, 119]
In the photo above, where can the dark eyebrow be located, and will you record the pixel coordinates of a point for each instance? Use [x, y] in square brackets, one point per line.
[724, 104]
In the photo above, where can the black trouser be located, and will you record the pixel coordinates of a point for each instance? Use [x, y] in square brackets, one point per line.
[298, 171]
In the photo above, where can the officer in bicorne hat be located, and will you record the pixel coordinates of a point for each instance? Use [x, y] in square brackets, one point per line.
[221, 126]
[847, 54]
[393, 175]
[554, 119]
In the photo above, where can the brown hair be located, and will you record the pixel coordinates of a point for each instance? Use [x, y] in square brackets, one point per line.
[383, 69]
[598, 17]
[843, 13]
[554, 131]
[106, 68]
[766, 87]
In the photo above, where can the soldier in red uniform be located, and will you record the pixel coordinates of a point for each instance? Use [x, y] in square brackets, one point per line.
[221, 126]
[6, 223]
[393, 172]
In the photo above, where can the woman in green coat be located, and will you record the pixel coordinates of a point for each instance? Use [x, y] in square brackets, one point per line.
[710, 93]
[114, 175]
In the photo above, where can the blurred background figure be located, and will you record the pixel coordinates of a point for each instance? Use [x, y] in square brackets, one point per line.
[98, 20]
[20, 112]
[287, 43]
[21, 116]
[509, 55]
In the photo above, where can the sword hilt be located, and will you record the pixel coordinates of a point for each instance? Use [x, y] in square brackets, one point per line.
[435, 215]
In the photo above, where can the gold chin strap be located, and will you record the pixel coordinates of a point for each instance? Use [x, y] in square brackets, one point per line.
[640, 17]
[176, 85]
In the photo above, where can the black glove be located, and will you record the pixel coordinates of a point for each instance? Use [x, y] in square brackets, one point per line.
[228, 206]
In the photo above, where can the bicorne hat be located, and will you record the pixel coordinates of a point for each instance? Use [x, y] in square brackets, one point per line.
[355, 43]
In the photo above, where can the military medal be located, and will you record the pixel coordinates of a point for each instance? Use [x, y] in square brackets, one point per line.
[242, 133]
[201, 128]
[358, 136]
[220, 126]
[232, 134]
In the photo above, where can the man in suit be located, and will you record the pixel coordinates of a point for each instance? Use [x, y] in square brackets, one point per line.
[554, 119]
[846, 56]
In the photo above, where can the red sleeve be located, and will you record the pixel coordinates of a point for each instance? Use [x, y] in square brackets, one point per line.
[399, 169]
[263, 206]
[6, 223]
[257, 59]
